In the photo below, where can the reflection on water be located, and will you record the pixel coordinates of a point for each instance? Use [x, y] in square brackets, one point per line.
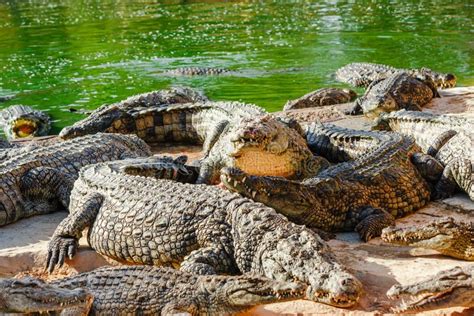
[79, 54]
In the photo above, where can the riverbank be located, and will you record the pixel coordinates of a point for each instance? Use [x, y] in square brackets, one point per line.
[377, 265]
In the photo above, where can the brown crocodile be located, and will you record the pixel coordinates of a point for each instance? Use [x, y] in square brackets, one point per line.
[448, 139]
[445, 235]
[450, 288]
[363, 74]
[199, 228]
[374, 183]
[40, 180]
[398, 91]
[321, 97]
[233, 134]
[144, 290]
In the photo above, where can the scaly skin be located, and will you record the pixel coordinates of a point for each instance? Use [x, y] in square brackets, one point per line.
[39, 180]
[321, 97]
[200, 228]
[363, 74]
[449, 139]
[376, 183]
[398, 91]
[450, 288]
[20, 121]
[232, 134]
[447, 236]
[144, 290]
[28, 295]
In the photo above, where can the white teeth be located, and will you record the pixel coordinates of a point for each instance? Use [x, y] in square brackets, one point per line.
[254, 193]
[235, 183]
[245, 178]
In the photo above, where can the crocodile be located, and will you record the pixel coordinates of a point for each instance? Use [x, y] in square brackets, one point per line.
[448, 139]
[198, 71]
[198, 228]
[398, 91]
[144, 290]
[20, 121]
[445, 235]
[39, 181]
[30, 295]
[448, 288]
[373, 183]
[363, 74]
[232, 134]
[321, 97]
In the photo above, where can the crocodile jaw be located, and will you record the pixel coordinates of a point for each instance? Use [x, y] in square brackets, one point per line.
[24, 127]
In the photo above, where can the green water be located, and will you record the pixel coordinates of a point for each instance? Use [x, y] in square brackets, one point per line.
[58, 55]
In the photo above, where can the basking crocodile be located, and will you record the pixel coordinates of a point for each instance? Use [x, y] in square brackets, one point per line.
[445, 235]
[144, 290]
[200, 228]
[363, 74]
[398, 91]
[19, 121]
[35, 181]
[232, 134]
[321, 97]
[374, 183]
[449, 139]
[449, 288]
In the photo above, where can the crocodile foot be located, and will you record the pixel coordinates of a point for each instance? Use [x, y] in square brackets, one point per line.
[58, 248]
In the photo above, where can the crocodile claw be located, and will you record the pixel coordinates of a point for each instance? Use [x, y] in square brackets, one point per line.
[58, 249]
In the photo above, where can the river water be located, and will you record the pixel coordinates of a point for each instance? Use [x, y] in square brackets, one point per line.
[58, 55]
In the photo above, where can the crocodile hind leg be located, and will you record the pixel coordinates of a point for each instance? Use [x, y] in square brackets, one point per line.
[371, 221]
[430, 168]
[65, 238]
[43, 184]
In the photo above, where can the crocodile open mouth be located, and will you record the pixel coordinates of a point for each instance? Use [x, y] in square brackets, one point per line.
[421, 300]
[24, 128]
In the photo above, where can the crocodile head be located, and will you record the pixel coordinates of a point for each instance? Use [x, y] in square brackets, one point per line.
[230, 294]
[27, 123]
[291, 198]
[297, 253]
[28, 295]
[441, 80]
[99, 121]
[374, 104]
[266, 145]
[450, 288]
[444, 235]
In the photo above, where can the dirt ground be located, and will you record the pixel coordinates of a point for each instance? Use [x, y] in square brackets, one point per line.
[376, 264]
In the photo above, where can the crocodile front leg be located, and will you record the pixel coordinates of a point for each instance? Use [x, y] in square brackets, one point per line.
[440, 141]
[371, 221]
[430, 168]
[65, 238]
[208, 260]
[41, 184]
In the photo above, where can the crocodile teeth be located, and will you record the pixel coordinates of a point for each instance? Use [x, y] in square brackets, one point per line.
[235, 183]
[245, 178]
[254, 193]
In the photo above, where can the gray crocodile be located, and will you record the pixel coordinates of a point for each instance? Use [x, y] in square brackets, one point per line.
[201, 229]
[373, 183]
[449, 139]
[20, 121]
[449, 288]
[232, 134]
[198, 71]
[40, 180]
[398, 91]
[321, 97]
[363, 74]
[144, 290]
[445, 235]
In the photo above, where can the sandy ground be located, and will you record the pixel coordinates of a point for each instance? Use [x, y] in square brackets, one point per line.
[377, 265]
